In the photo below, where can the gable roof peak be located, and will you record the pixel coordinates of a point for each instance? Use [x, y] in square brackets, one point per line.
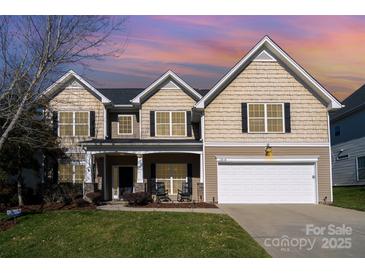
[168, 74]
[268, 44]
[51, 90]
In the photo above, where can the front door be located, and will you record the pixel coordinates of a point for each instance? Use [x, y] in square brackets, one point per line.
[125, 180]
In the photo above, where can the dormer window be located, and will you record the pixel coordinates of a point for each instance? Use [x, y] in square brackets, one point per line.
[125, 124]
[170, 123]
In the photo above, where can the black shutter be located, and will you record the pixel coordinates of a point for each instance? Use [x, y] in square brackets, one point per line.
[190, 178]
[153, 171]
[152, 180]
[190, 170]
[244, 117]
[92, 123]
[196, 130]
[55, 123]
[287, 117]
[152, 123]
[188, 123]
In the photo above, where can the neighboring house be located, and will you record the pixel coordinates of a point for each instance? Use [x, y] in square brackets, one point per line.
[122, 140]
[348, 141]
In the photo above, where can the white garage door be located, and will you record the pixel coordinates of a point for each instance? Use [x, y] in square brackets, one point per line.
[266, 183]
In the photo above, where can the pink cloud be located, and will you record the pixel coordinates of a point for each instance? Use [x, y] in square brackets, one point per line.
[331, 48]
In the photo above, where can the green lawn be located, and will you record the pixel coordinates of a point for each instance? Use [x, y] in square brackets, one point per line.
[350, 197]
[127, 234]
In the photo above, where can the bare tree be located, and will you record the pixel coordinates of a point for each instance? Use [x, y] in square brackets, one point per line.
[34, 49]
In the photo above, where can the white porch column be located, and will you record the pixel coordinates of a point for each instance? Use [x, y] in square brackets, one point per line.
[140, 168]
[201, 168]
[88, 168]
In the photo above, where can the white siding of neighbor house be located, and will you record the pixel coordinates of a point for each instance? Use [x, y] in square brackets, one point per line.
[344, 171]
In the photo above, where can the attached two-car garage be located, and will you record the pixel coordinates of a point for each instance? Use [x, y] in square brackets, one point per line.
[262, 180]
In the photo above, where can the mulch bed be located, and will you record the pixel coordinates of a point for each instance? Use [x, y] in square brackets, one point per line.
[179, 205]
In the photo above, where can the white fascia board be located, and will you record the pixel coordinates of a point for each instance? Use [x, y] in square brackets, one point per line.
[332, 101]
[266, 160]
[69, 74]
[150, 88]
[124, 106]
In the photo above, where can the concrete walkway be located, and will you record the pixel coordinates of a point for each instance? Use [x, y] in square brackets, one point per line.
[303, 230]
[122, 207]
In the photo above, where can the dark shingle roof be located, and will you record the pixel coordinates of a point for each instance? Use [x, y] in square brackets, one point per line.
[122, 96]
[202, 92]
[354, 102]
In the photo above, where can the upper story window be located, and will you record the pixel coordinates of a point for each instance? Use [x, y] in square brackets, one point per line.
[125, 124]
[73, 123]
[361, 168]
[337, 130]
[170, 123]
[265, 118]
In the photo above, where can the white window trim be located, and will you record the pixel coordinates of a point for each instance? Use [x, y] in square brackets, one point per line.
[74, 164]
[265, 118]
[170, 124]
[357, 168]
[126, 115]
[73, 124]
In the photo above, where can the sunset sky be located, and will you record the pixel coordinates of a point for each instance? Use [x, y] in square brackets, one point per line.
[201, 49]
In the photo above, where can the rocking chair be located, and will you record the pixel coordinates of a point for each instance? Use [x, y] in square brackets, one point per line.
[161, 194]
[185, 193]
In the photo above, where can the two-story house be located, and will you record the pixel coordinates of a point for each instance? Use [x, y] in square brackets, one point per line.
[121, 139]
[348, 141]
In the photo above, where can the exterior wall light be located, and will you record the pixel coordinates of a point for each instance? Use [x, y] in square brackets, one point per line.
[268, 150]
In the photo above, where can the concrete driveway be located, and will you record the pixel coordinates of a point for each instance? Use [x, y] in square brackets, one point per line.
[303, 230]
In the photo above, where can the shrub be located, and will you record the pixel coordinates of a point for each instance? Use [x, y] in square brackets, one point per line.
[138, 198]
[94, 197]
[30, 197]
[8, 195]
[60, 193]
[80, 202]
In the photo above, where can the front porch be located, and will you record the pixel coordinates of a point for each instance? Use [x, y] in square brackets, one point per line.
[126, 173]
[117, 171]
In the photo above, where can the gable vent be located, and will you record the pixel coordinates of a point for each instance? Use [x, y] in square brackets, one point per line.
[170, 85]
[75, 84]
[264, 57]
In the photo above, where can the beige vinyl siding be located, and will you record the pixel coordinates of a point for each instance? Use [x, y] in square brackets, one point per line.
[79, 99]
[324, 185]
[266, 82]
[168, 100]
[114, 126]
